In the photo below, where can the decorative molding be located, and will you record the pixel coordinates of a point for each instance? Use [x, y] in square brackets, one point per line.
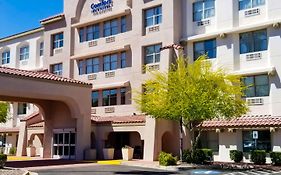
[255, 101]
[252, 12]
[204, 23]
[109, 74]
[110, 39]
[254, 56]
[93, 43]
[109, 110]
[92, 77]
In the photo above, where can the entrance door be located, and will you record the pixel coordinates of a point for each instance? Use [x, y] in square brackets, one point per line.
[64, 145]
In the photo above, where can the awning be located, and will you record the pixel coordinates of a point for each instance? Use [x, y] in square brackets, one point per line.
[133, 119]
[253, 121]
[266, 70]
[112, 85]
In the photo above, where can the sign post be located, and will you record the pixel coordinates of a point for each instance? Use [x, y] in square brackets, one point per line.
[255, 137]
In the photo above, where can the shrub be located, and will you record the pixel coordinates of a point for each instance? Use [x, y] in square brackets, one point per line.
[3, 160]
[13, 151]
[186, 156]
[208, 154]
[166, 159]
[236, 156]
[258, 157]
[198, 156]
[275, 158]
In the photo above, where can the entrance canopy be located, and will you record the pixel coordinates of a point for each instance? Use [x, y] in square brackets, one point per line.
[64, 103]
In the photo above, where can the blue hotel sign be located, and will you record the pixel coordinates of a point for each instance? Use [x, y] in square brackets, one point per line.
[102, 6]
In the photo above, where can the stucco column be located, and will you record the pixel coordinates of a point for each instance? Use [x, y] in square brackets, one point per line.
[21, 148]
[83, 136]
[150, 149]
[47, 143]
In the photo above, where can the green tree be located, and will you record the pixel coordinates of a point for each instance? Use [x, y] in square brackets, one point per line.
[192, 94]
[3, 112]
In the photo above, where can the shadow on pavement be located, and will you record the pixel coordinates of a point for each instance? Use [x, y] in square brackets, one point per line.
[39, 163]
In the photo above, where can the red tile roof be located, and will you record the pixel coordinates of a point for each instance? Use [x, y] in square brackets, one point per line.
[119, 119]
[9, 130]
[245, 121]
[39, 75]
[37, 125]
[30, 116]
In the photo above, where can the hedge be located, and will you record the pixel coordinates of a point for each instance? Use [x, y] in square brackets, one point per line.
[3, 160]
[258, 157]
[166, 159]
[236, 156]
[275, 158]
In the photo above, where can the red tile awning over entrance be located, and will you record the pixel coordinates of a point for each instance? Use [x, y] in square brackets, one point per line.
[119, 119]
[245, 121]
[38, 75]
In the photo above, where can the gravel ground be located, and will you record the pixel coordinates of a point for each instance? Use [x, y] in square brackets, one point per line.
[11, 172]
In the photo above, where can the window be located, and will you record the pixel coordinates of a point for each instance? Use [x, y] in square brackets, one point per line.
[24, 53]
[261, 143]
[93, 32]
[109, 97]
[258, 86]
[41, 49]
[123, 96]
[58, 40]
[209, 140]
[203, 9]
[81, 35]
[92, 65]
[81, 67]
[57, 69]
[253, 41]
[110, 62]
[247, 4]
[110, 28]
[153, 16]
[123, 60]
[95, 99]
[22, 108]
[208, 47]
[123, 24]
[6, 57]
[152, 54]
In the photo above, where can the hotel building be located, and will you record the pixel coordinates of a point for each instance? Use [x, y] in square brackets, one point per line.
[107, 43]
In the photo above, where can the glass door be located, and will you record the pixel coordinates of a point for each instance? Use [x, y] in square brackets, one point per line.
[64, 145]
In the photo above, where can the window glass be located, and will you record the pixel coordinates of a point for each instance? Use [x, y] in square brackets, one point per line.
[110, 62]
[123, 24]
[22, 108]
[95, 98]
[58, 40]
[92, 32]
[6, 57]
[263, 142]
[153, 16]
[253, 41]
[110, 28]
[258, 86]
[209, 140]
[24, 53]
[123, 96]
[247, 4]
[57, 69]
[81, 67]
[109, 97]
[152, 54]
[41, 49]
[123, 60]
[81, 35]
[92, 65]
[203, 9]
[208, 47]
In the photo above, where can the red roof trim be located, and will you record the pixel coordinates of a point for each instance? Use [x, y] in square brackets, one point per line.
[9, 130]
[39, 75]
[245, 121]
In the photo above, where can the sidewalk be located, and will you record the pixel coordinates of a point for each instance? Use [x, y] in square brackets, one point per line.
[155, 165]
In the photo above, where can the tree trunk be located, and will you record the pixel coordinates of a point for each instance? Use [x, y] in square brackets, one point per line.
[181, 140]
[196, 140]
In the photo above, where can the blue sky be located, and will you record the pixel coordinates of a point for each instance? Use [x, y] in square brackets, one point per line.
[20, 15]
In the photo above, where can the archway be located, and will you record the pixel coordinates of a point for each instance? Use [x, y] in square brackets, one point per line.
[118, 140]
[63, 103]
[168, 144]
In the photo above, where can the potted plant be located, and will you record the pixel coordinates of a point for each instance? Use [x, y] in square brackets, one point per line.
[31, 151]
[108, 152]
[127, 153]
